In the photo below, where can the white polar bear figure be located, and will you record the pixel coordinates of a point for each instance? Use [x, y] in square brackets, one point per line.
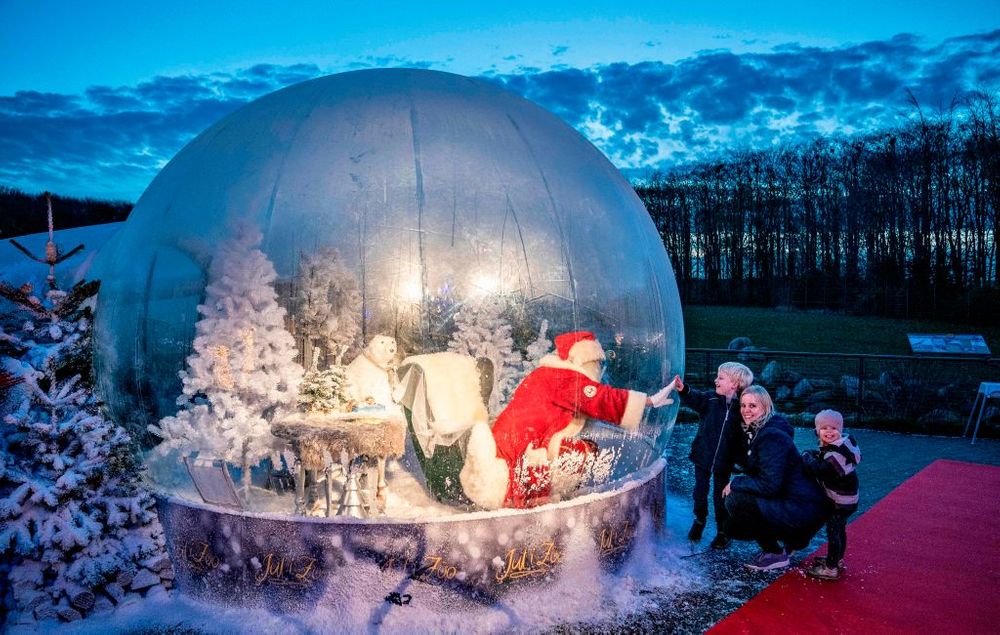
[372, 375]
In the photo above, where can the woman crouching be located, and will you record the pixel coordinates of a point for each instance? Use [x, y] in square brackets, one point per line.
[774, 501]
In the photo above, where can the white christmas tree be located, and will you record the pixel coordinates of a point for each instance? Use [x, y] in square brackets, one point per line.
[539, 348]
[73, 518]
[329, 303]
[533, 354]
[242, 374]
[481, 331]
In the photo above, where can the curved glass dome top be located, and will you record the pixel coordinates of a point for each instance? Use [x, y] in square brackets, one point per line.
[435, 192]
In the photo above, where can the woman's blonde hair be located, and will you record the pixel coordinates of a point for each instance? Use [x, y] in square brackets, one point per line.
[764, 399]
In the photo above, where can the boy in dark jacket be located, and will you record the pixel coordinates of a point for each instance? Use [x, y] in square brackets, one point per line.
[834, 466]
[717, 445]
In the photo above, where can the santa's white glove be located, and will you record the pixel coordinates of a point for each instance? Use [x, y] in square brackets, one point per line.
[662, 398]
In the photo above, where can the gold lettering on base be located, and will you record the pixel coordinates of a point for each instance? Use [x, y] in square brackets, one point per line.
[529, 561]
[199, 557]
[431, 569]
[616, 539]
[281, 570]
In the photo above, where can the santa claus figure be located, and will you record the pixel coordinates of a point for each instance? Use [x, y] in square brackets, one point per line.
[533, 455]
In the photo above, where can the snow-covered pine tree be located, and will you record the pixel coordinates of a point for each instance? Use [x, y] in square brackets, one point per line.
[242, 374]
[329, 303]
[481, 331]
[533, 354]
[324, 391]
[538, 349]
[73, 518]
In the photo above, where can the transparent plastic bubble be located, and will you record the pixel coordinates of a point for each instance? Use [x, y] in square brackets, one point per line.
[436, 194]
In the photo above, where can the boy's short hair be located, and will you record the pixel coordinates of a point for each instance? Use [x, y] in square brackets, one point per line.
[739, 373]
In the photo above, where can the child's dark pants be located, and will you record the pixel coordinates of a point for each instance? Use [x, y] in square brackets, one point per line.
[703, 479]
[836, 535]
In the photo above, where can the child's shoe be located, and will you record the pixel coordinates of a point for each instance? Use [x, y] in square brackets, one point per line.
[765, 561]
[696, 530]
[821, 571]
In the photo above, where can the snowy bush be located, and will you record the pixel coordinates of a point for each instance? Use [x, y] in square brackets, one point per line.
[72, 515]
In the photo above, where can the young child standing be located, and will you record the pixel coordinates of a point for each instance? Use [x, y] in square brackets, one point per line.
[717, 446]
[834, 465]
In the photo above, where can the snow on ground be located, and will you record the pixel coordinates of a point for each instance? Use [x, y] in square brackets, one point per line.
[16, 268]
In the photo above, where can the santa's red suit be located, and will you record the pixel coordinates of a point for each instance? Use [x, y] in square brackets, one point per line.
[534, 433]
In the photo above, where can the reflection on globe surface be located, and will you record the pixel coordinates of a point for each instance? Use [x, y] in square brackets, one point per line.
[439, 203]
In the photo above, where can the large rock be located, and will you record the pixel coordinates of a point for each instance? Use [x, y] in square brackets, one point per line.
[115, 592]
[740, 343]
[22, 618]
[771, 374]
[942, 416]
[802, 389]
[125, 577]
[889, 379]
[68, 614]
[819, 383]
[157, 563]
[46, 612]
[144, 579]
[801, 419]
[130, 598]
[850, 385]
[822, 399]
[103, 605]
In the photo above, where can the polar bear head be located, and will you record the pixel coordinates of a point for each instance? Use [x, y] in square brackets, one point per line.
[382, 350]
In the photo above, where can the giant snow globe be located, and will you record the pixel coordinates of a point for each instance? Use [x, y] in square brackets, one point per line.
[320, 309]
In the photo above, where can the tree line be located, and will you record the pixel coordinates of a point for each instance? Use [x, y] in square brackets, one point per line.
[897, 223]
[22, 213]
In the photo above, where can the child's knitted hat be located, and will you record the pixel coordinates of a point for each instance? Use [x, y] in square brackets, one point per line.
[830, 418]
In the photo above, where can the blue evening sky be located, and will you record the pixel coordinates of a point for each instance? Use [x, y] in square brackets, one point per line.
[96, 96]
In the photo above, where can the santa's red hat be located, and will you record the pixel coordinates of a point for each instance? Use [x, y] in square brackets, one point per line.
[579, 347]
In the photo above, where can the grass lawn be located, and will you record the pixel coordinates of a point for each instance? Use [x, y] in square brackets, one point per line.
[814, 331]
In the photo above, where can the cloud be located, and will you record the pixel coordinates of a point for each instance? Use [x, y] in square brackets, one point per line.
[111, 141]
[663, 113]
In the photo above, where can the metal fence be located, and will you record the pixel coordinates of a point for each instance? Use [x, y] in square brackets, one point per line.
[924, 394]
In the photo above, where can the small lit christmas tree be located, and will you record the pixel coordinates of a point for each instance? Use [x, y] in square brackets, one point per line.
[324, 391]
[242, 374]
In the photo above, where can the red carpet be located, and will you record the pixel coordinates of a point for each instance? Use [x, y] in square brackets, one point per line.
[926, 558]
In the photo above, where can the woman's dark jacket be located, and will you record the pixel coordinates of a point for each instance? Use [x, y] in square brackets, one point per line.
[775, 475]
[719, 442]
